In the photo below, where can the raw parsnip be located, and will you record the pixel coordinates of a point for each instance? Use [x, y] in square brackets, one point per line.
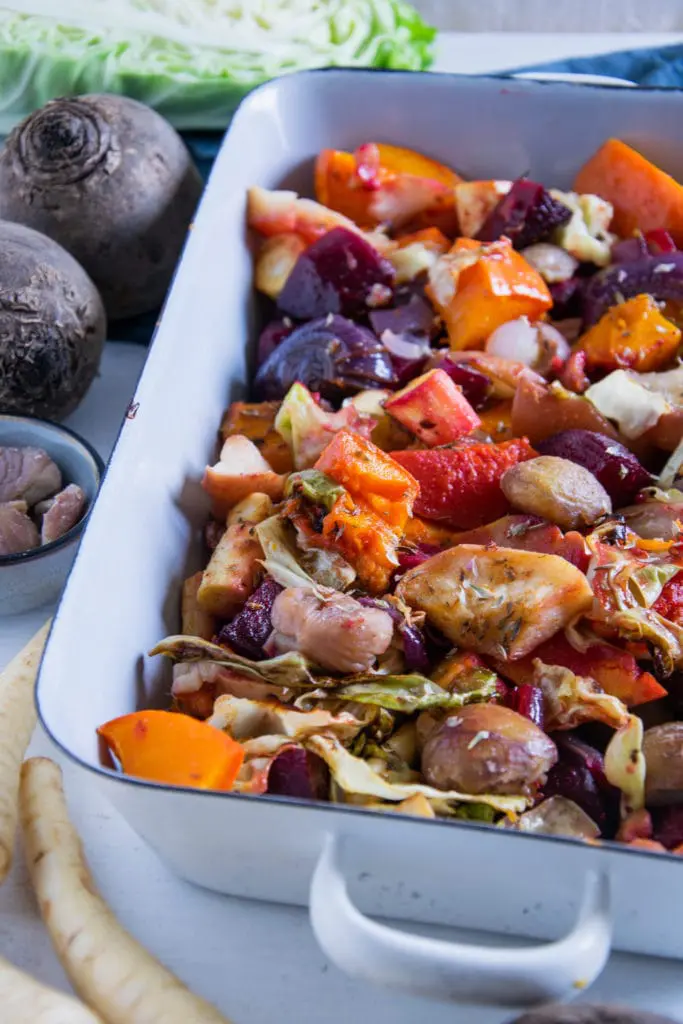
[17, 722]
[25, 1001]
[111, 972]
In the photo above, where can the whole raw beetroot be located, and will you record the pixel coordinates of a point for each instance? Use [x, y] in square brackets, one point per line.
[52, 326]
[110, 180]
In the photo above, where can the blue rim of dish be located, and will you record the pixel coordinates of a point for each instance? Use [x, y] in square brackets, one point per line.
[55, 545]
[316, 806]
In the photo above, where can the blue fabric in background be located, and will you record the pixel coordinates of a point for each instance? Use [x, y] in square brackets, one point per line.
[660, 67]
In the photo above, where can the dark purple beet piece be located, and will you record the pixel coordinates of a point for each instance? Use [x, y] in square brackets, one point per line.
[476, 386]
[414, 317]
[567, 298]
[270, 337]
[297, 772]
[626, 250]
[410, 559]
[579, 775]
[332, 356]
[668, 826]
[576, 751]
[407, 369]
[526, 215]
[251, 627]
[576, 783]
[340, 273]
[414, 649]
[617, 469]
[527, 701]
[414, 642]
[660, 276]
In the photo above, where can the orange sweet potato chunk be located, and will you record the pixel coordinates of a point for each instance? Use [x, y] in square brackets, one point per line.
[644, 197]
[172, 748]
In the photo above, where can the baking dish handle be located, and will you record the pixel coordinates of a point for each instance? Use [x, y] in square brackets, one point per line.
[453, 971]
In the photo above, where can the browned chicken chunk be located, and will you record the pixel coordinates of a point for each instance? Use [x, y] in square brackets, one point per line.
[27, 474]
[17, 532]
[64, 511]
[339, 634]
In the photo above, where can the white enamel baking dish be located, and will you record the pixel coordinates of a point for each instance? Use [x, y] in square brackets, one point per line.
[577, 900]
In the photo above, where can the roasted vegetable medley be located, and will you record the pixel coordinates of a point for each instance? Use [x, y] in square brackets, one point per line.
[446, 548]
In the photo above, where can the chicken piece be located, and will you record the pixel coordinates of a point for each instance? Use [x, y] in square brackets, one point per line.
[497, 601]
[17, 532]
[64, 511]
[337, 633]
[28, 474]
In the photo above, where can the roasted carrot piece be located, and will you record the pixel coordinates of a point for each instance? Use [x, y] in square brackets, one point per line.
[497, 421]
[165, 746]
[476, 288]
[643, 196]
[420, 531]
[633, 335]
[431, 238]
[337, 186]
[408, 161]
[371, 477]
[387, 184]
[365, 541]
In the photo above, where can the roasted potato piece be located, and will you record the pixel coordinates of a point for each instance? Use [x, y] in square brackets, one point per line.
[663, 752]
[487, 748]
[497, 601]
[235, 566]
[194, 621]
[558, 490]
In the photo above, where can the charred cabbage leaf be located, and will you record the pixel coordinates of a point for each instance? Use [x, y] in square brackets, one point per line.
[405, 693]
[353, 775]
[287, 670]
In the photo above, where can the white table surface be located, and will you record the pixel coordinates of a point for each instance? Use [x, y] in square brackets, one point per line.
[258, 962]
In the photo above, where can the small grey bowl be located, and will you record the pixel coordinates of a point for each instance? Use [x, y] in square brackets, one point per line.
[36, 577]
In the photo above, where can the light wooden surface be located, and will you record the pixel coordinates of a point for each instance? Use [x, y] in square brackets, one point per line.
[258, 962]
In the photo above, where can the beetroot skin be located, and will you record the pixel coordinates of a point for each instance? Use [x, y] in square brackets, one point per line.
[340, 273]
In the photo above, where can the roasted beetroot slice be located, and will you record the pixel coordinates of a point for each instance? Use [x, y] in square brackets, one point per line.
[411, 559]
[270, 337]
[298, 773]
[340, 273]
[476, 386]
[579, 775]
[567, 298]
[528, 701]
[526, 215]
[332, 356]
[575, 782]
[251, 627]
